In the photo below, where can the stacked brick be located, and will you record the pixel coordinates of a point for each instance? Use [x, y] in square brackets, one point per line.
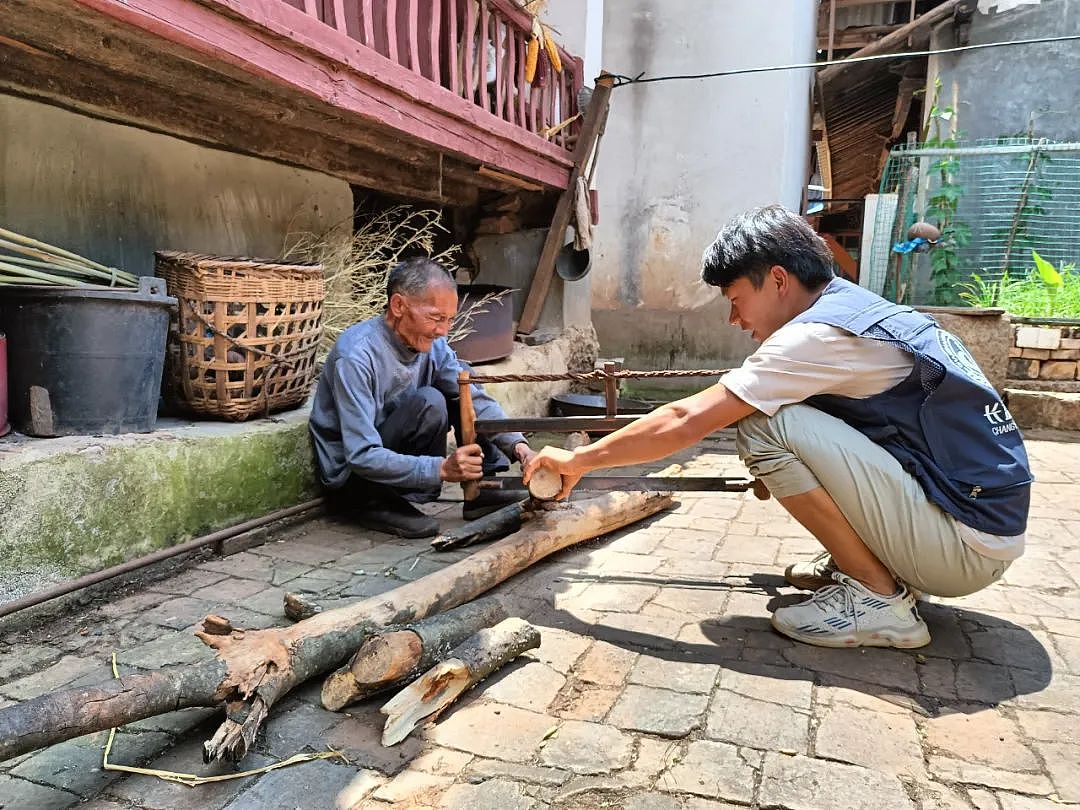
[1045, 353]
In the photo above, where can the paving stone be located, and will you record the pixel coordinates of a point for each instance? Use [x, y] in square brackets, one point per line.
[587, 748]
[494, 794]
[18, 794]
[658, 711]
[313, 784]
[178, 613]
[607, 597]
[754, 723]
[689, 677]
[149, 793]
[262, 568]
[637, 541]
[882, 742]
[268, 601]
[442, 761]
[413, 788]
[22, 659]
[611, 563]
[949, 769]
[181, 647]
[748, 549]
[652, 757]
[1009, 646]
[586, 702]
[693, 600]
[232, 589]
[62, 673]
[937, 678]
[189, 581]
[605, 664]
[359, 788]
[801, 783]
[297, 551]
[982, 736]
[175, 723]
[302, 728]
[787, 686]
[633, 629]
[1008, 801]
[493, 730]
[1061, 761]
[1049, 726]
[559, 649]
[878, 666]
[526, 684]
[934, 796]
[714, 770]
[983, 683]
[75, 765]
[489, 768]
[1036, 690]
[359, 737]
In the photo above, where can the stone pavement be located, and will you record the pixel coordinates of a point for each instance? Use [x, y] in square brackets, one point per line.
[659, 684]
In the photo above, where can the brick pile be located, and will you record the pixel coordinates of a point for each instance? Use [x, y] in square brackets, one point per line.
[1045, 353]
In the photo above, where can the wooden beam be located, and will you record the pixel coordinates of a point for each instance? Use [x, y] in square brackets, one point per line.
[361, 81]
[595, 117]
[854, 37]
[897, 39]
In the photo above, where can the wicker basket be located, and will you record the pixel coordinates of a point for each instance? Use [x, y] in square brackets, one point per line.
[243, 340]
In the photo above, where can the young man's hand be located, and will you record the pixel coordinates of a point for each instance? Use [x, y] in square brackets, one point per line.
[464, 464]
[558, 461]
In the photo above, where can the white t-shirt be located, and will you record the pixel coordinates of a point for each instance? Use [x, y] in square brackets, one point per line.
[801, 360]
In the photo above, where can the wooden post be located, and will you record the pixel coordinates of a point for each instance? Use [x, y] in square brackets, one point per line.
[468, 428]
[611, 390]
[832, 28]
[545, 267]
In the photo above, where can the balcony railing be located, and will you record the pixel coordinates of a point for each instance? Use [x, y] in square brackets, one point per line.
[475, 49]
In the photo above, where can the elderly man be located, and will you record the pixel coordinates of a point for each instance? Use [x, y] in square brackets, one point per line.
[386, 398]
[873, 427]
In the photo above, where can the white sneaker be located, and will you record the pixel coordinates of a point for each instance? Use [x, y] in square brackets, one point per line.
[810, 575]
[848, 615]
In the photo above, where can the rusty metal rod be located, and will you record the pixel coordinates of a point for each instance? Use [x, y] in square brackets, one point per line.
[86, 581]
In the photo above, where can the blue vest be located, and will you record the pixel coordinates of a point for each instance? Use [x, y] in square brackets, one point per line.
[944, 423]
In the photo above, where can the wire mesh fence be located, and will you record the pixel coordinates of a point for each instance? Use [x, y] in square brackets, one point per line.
[1002, 200]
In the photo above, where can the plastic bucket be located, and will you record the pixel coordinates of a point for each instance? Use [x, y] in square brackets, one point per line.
[85, 360]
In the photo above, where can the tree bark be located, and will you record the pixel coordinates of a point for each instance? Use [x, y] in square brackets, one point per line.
[467, 665]
[256, 668]
[495, 524]
[388, 659]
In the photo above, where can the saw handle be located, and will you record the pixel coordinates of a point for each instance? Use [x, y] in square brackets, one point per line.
[468, 428]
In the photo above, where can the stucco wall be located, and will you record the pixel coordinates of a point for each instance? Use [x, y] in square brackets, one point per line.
[999, 90]
[679, 159]
[116, 193]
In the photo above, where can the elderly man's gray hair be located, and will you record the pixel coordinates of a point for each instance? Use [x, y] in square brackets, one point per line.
[414, 276]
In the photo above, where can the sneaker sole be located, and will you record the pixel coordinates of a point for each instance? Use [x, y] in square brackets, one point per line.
[917, 637]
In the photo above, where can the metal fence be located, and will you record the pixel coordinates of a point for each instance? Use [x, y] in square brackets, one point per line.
[1011, 196]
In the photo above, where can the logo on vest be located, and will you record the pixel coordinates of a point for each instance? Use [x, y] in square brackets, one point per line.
[999, 417]
[961, 358]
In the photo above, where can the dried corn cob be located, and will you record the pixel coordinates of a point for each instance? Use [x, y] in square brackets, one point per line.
[532, 54]
[552, 52]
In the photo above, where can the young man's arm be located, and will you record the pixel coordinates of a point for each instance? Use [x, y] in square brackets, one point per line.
[658, 434]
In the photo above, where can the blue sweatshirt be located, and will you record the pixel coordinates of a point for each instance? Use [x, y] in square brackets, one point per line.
[368, 369]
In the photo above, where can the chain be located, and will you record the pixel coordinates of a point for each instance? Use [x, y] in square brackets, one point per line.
[597, 375]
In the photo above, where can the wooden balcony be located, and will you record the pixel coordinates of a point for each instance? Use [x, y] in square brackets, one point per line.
[418, 98]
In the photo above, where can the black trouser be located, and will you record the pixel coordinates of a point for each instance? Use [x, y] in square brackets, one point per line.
[417, 427]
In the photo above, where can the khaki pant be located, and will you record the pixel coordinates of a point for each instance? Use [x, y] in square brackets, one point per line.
[802, 448]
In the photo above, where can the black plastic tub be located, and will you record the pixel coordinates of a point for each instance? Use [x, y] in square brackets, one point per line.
[84, 360]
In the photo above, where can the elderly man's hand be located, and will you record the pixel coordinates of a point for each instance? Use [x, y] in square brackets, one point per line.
[464, 464]
[524, 453]
[558, 461]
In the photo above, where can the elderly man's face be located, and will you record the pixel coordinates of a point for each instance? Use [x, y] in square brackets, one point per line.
[419, 320]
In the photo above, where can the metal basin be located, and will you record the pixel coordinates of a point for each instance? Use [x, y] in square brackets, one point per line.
[593, 405]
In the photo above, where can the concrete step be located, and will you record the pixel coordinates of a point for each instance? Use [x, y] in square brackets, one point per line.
[1059, 410]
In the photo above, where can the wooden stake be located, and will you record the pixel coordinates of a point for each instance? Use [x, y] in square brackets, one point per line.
[493, 525]
[388, 659]
[467, 665]
[468, 428]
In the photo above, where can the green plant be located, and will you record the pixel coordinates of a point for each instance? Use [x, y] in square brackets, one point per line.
[942, 205]
[1044, 292]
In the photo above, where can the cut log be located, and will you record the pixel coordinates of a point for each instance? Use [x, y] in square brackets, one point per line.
[545, 484]
[254, 669]
[388, 659]
[299, 607]
[491, 526]
[467, 665]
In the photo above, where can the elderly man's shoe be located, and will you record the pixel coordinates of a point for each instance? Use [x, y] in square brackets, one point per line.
[488, 501]
[393, 514]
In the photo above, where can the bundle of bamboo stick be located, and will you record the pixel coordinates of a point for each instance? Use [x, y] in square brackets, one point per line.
[27, 261]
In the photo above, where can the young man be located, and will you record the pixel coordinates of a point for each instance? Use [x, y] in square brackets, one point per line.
[873, 427]
[386, 398]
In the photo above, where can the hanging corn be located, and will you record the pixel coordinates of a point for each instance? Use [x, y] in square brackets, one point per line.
[531, 56]
[552, 51]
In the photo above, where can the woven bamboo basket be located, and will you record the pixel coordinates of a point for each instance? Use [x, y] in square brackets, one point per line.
[243, 339]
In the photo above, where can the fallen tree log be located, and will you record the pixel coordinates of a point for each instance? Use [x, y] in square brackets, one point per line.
[256, 668]
[387, 659]
[468, 664]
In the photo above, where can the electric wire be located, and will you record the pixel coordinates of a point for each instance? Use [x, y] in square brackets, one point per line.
[622, 80]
